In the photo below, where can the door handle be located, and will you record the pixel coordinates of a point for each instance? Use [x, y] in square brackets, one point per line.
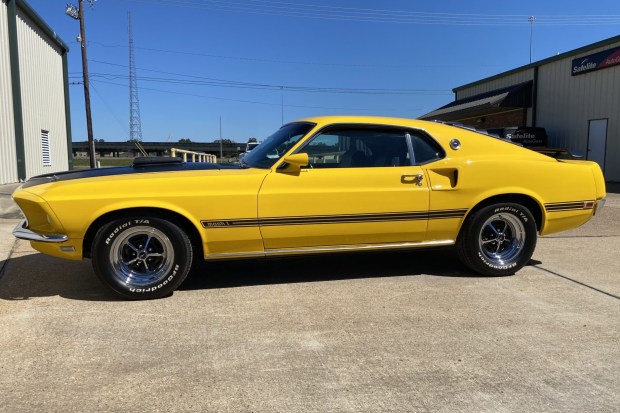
[417, 178]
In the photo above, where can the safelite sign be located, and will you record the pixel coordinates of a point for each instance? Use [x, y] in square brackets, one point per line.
[596, 61]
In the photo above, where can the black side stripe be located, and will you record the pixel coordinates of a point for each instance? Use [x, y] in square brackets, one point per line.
[336, 219]
[569, 206]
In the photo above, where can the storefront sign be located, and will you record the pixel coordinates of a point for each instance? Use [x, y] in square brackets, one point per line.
[596, 61]
[528, 136]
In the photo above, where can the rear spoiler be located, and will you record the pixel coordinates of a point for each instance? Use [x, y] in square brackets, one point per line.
[555, 152]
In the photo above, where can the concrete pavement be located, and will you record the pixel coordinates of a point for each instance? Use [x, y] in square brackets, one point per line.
[8, 208]
[384, 332]
[9, 217]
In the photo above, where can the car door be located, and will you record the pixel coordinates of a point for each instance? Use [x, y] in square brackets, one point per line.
[360, 189]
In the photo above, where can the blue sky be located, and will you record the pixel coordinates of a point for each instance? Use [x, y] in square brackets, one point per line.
[389, 58]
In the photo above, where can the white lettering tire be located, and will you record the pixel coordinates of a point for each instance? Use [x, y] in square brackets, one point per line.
[498, 239]
[141, 257]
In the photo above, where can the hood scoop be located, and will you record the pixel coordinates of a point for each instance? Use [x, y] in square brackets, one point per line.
[155, 160]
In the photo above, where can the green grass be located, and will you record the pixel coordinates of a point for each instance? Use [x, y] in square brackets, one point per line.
[84, 163]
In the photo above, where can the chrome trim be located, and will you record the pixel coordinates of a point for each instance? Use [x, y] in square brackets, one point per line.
[363, 247]
[599, 205]
[235, 255]
[455, 144]
[21, 231]
[337, 248]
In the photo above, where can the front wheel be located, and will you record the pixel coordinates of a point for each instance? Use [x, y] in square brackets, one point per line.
[498, 239]
[141, 257]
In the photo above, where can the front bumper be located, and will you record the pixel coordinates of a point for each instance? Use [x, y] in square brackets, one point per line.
[21, 231]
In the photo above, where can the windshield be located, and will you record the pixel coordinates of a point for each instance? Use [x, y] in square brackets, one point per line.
[272, 148]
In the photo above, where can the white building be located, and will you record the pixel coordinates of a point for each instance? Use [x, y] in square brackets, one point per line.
[575, 96]
[35, 129]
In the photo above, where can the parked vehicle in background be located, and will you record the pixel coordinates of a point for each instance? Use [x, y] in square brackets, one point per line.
[251, 145]
[317, 185]
[534, 138]
[528, 136]
[248, 148]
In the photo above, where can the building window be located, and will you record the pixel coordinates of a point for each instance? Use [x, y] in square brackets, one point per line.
[45, 148]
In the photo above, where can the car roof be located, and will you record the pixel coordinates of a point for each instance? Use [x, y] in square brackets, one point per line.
[440, 131]
[322, 120]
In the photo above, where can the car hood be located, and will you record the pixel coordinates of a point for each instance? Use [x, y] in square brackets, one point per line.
[125, 170]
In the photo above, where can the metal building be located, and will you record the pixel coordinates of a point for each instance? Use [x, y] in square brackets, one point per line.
[35, 129]
[575, 96]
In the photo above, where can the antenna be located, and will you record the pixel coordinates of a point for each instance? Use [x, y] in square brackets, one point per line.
[135, 124]
[531, 20]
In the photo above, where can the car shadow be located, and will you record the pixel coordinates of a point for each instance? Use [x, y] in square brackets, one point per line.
[319, 268]
[39, 275]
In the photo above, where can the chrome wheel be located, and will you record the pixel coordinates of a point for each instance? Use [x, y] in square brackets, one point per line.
[502, 238]
[141, 256]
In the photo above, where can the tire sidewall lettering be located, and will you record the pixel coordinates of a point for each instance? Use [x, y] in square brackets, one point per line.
[107, 254]
[515, 211]
[119, 228]
[496, 267]
[160, 285]
[517, 261]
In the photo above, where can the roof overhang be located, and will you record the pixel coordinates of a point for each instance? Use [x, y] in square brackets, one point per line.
[500, 100]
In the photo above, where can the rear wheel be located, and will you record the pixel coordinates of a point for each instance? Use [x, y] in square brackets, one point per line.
[141, 257]
[498, 239]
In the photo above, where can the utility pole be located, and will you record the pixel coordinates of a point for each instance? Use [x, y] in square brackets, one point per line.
[221, 145]
[531, 19]
[71, 12]
[89, 119]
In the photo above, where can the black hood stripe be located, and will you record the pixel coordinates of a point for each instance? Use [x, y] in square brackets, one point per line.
[125, 170]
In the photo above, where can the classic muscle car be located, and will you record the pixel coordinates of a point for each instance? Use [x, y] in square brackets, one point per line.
[318, 185]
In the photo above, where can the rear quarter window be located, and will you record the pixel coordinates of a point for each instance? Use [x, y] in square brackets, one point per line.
[425, 149]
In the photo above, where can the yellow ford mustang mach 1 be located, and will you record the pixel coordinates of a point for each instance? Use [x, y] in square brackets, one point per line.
[317, 185]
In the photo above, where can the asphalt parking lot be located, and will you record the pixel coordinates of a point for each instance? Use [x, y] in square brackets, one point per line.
[381, 332]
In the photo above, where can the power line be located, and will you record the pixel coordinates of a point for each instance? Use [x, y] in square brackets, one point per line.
[288, 9]
[207, 81]
[108, 107]
[254, 101]
[293, 62]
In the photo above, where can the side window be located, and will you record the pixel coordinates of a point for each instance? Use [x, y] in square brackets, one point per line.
[358, 148]
[424, 150]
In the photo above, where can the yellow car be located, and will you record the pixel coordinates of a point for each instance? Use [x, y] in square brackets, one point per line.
[318, 185]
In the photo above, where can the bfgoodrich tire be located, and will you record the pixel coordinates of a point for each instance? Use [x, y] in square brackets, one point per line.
[141, 257]
[498, 239]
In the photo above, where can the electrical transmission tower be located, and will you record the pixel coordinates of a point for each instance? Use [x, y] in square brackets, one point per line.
[135, 124]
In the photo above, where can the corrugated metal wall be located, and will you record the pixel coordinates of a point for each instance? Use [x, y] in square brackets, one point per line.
[502, 82]
[8, 162]
[566, 103]
[43, 99]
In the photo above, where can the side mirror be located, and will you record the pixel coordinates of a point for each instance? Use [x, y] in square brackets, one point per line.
[293, 163]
